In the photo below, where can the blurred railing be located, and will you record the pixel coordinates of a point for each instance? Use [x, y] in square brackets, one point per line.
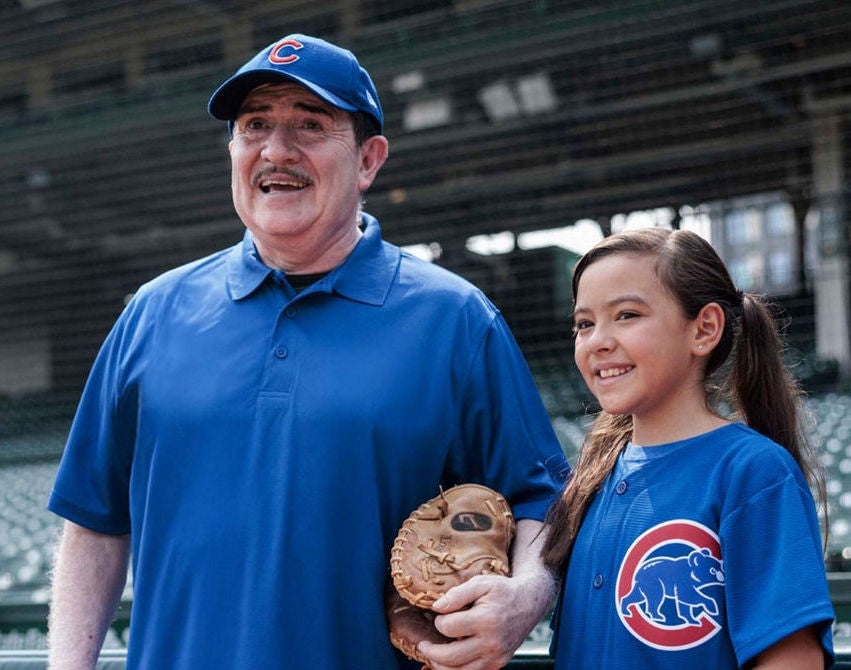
[115, 661]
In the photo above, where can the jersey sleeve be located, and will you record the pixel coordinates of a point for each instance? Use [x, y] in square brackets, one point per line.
[773, 557]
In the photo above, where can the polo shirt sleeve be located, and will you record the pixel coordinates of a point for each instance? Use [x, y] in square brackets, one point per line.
[507, 439]
[92, 482]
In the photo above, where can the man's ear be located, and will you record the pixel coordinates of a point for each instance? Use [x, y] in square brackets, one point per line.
[709, 326]
[373, 152]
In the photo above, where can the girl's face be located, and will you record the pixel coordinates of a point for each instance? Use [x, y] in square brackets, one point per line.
[636, 350]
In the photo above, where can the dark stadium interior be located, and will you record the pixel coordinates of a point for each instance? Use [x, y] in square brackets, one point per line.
[503, 116]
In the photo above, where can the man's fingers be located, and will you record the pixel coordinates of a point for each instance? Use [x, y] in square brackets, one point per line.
[462, 596]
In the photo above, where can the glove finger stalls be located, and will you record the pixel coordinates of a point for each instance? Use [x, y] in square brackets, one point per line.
[409, 625]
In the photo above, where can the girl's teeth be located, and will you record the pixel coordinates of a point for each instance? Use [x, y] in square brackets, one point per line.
[613, 372]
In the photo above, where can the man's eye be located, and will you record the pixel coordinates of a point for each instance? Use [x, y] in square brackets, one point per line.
[252, 124]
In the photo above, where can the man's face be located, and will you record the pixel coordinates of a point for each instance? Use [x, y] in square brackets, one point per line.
[297, 173]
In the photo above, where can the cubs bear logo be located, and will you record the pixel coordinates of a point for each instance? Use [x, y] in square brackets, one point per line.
[669, 585]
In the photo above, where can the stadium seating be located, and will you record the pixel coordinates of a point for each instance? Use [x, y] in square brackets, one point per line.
[27, 532]
[832, 417]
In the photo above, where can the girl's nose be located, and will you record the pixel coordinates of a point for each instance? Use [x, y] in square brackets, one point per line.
[600, 339]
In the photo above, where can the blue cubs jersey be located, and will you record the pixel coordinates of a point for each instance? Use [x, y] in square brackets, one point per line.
[696, 554]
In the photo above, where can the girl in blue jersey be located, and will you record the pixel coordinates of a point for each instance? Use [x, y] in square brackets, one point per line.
[688, 535]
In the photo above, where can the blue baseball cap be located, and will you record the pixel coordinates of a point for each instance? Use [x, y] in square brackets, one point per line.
[330, 72]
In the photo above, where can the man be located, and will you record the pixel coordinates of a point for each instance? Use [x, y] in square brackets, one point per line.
[259, 423]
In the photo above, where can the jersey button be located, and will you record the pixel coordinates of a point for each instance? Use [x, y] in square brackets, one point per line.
[622, 487]
[291, 312]
[598, 581]
[281, 352]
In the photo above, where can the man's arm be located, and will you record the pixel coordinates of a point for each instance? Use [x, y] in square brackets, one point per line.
[89, 573]
[504, 609]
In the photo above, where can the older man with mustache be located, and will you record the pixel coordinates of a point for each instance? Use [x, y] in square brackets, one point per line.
[258, 423]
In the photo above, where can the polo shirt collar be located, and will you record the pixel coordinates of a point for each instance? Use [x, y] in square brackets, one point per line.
[368, 273]
[365, 276]
[245, 270]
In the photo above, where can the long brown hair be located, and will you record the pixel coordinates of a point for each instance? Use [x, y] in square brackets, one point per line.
[756, 385]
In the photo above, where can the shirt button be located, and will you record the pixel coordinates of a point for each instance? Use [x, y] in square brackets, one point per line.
[622, 487]
[291, 312]
[281, 352]
[598, 581]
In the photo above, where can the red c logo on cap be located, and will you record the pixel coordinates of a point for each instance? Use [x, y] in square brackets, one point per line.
[275, 54]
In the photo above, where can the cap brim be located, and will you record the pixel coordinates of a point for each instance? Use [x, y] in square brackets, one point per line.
[226, 101]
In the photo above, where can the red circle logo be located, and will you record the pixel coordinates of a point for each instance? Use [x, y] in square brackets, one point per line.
[668, 591]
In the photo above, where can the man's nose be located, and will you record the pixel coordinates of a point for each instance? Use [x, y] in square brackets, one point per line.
[281, 145]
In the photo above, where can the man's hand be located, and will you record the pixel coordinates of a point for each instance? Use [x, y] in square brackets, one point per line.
[493, 615]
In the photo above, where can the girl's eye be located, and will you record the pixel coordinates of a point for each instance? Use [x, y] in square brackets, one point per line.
[623, 316]
[582, 324]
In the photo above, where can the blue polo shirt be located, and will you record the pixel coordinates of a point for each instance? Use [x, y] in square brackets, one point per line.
[264, 447]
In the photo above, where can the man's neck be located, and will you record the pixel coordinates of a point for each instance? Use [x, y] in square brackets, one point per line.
[307, 256]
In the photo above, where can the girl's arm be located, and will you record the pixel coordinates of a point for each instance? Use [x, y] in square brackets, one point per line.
[799, 651]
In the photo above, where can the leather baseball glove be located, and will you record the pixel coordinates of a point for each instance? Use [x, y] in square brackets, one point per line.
[409, 625]
[465, 531]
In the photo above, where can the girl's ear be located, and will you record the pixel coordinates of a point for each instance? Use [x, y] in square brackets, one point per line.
[709, 326]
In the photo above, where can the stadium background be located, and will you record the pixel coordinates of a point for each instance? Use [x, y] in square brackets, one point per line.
[520, 132]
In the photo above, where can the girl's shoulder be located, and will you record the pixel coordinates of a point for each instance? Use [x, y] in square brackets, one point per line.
[750, 455]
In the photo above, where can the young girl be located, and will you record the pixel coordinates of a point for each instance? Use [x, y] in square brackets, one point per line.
[686, 539]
